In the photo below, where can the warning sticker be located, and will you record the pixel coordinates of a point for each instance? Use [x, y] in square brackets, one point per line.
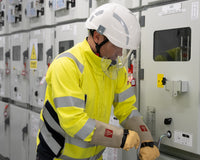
[33, 50]
[33, 64]
[33, 53]
[159, 80]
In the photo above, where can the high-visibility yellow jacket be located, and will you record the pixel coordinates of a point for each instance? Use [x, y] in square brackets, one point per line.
[77, 92]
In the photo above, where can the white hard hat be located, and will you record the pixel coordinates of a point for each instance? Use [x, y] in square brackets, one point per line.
[117, 23]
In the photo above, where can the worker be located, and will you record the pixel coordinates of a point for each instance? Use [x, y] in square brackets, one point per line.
[82, 85]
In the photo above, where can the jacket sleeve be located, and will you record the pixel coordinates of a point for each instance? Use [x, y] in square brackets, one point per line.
[68, 99]
[124, 97]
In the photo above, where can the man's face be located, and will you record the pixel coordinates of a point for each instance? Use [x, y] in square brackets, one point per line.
[110, 51]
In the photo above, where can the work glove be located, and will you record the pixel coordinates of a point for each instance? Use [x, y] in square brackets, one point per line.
[148, 152]
[115, 137]
[130, 140]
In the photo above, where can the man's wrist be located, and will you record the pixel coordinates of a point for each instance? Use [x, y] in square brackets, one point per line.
[126, 132]
[147, 144]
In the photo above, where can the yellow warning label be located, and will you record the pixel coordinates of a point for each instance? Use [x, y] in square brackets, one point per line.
[159, 80]
[33, 53]
[33, 64]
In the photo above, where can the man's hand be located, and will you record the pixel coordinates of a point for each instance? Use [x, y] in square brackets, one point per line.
[132, 140]
[149, 153]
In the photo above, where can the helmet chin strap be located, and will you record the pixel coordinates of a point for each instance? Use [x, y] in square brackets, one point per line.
[98, 46]
[114, 62]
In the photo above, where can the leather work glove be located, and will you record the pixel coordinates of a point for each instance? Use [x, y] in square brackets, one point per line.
[149, 152]
[132, 140]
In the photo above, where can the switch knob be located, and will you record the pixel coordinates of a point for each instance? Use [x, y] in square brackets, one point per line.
[164, 80]
[36, 93]
[168, 121]
[15, 89]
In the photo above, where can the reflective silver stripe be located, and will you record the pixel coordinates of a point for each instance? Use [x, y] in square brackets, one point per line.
[69, 102]
[57, 128]
[116, 16]
[52, 123]
[64, 157]
[99, 13]
[53, 145]
[124, 95]
[97, 156]
[86, 129]
[78, 142]
[134, 113]
[41, 123]
[69, 55]
[91, 18]
[101, 29]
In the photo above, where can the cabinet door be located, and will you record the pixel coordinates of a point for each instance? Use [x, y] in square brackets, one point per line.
[18, 133]
[4, 129]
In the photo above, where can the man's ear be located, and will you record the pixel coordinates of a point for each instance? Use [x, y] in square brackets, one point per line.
[98, 38]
